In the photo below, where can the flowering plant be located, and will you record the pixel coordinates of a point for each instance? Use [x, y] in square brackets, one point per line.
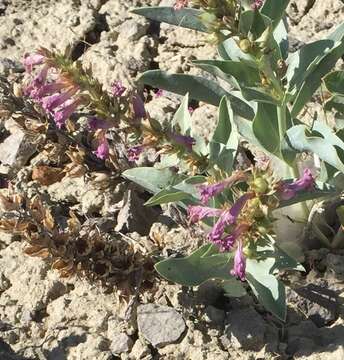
[261, 91]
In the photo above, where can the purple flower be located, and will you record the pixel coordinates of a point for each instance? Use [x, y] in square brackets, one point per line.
[183, 140]
[159, 93]
[39, 92]
[138, 107]
[63, 114]
[257, 4]
[209, 191]
[118, 89]
[228, 217]
[239, 268]
[191, 110]
[95, 123]
[37, 83]
[134, 152]
[228, 242]
[31, 60]
[197, 213]
[102, 151]
[52, 102]
[306, 182]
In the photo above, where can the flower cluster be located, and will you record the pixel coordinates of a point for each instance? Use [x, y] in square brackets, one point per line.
[61, 87]
[241, 224]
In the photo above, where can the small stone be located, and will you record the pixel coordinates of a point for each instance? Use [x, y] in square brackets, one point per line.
[139, 350]
[121, 343]
[160, 325]
[246, 329]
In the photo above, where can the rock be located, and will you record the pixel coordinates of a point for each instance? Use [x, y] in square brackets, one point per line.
[317, 302]
[139, 350]
[121, 343]
[16, 150]
[160, 325]
[335, 264]
[332, 352]
[245, 329]
[7, 66]
[134, 216]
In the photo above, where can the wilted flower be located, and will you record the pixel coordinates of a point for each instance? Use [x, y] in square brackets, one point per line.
[197, 213]
[239, 268]
[118, 89]
[134, 152]
[102, 151]
[180, 4]
[184, 140]
[138, 107]
[95, 123]
[289, 190]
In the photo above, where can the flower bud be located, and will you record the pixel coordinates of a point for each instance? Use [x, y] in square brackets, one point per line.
[260, 185]
[245, 45]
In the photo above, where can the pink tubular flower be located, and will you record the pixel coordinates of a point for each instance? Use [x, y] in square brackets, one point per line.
[228, 242]
[257, 4]
[239, 268]
[52, 102]
[39, 92]
[102, 151]
[63, 114]
[306, 182]
[37, 83]
[228, 217]
[186, 141]
[197, 213]
[134, 152]
[95, 123]
[32, 60]
[180, 4]
[209, 191]
[118, 89]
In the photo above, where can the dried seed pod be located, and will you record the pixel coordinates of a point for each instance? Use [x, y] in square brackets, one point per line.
[47, 175]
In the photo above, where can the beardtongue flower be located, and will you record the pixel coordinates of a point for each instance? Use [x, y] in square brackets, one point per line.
[102, 151]
[61, 116]
[37, 93]
[186, 141]
[197, 213]
[209, 191]
[52, 102]
[118, 89]
[239, 268]
[228, 217]
[134, 152]
[306, 182]
[37, 83]
[32, 60]
[228, 242]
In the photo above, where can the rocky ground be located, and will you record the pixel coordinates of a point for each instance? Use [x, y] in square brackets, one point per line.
[44, 316]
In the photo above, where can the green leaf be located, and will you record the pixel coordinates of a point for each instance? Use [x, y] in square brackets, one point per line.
[187, 18]
[314, 79]
[321, 190]
[253, 22]
[269, 291]
[244, 74]
[336, 102]
[229, 50]
[198, 88]
[335, 82]
[233, 288]
[167, 196]
[225, 140]
[320, 140]
[182, 116]
[275, 10]
[197, 268]
[150, 178]
[281, 37]
[265, 128]
[258, 95]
